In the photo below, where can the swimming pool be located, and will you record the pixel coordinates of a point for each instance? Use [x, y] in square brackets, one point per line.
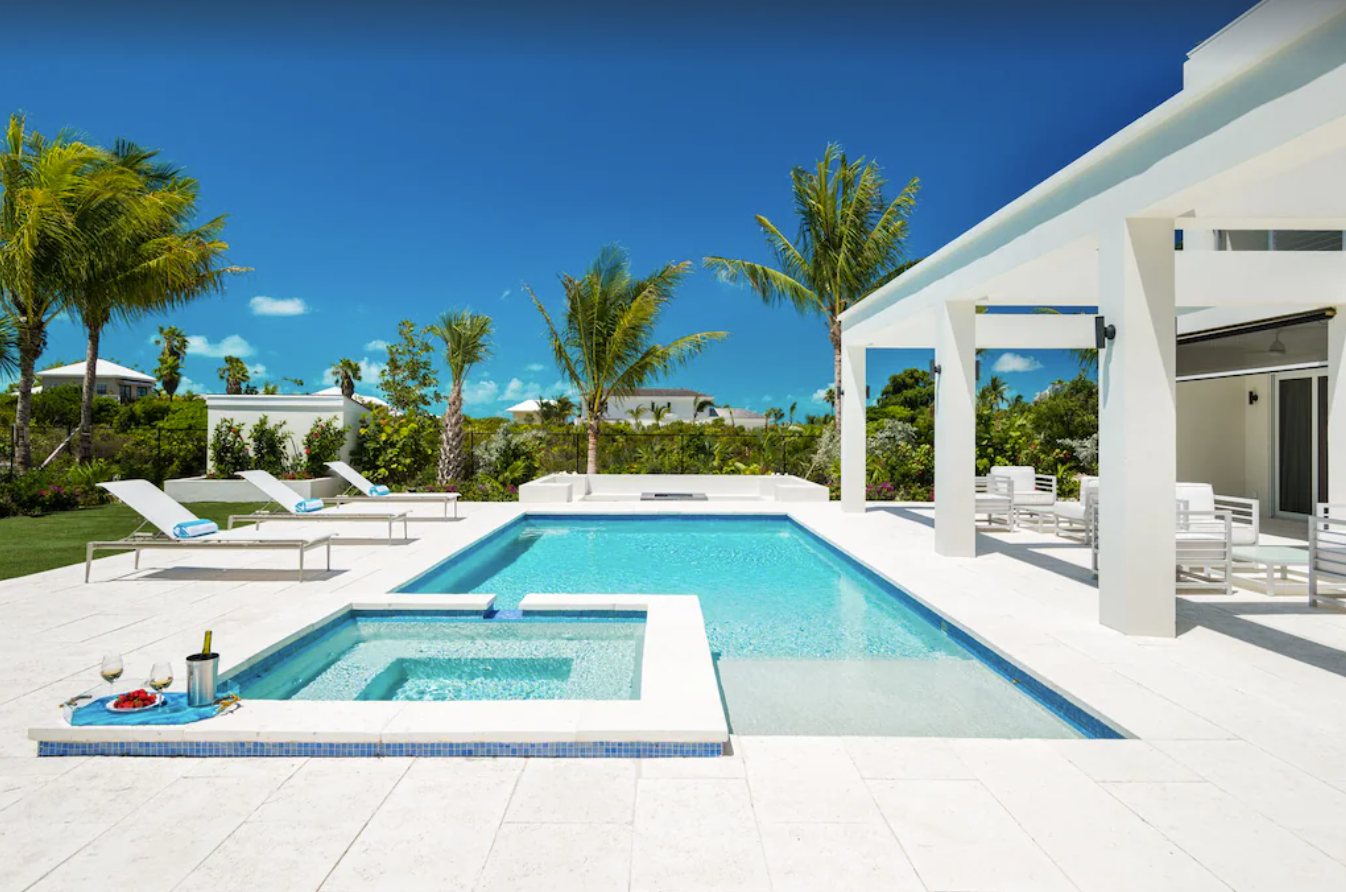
[805, 639]
[418, 656]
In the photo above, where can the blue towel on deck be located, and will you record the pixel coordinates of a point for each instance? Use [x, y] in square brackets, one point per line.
[175, 710]
[379, 490]
[308, 506]
[191, 529]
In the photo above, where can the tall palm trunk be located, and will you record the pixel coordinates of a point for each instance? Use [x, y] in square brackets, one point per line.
[593, 447]
[451, 440]
[85, 451]
[835, 332]
[32, 338]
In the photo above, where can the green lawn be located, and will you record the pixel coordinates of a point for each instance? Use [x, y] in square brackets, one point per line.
[33, 544]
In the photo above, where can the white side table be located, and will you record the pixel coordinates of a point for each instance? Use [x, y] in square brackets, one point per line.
[1275, 558]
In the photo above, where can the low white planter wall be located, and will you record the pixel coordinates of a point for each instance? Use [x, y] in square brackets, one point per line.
[567, 487]
[204, 489]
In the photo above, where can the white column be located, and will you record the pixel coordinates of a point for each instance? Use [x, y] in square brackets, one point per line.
[1336, 409]
[852, 429]
[1137, 429]
[956, 429]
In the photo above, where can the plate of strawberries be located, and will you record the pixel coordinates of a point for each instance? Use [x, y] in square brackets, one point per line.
[135, 701]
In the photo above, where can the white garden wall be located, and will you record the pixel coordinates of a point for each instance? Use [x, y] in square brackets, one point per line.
[297, 411]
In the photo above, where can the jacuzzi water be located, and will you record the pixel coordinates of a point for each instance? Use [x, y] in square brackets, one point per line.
[805, 640]
[454, 657]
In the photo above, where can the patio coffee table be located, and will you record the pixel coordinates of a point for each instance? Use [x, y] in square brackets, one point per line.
[1273, 557]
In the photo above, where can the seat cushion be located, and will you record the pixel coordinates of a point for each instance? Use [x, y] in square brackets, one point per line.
[1023, 479]
[1198, 496]
[1069, 510]
[1033, 498]
[1242, 534]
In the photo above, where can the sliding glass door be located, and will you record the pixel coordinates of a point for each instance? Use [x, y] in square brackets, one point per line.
[1301, 443]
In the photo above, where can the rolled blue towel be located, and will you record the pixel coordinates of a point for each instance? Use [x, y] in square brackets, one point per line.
[191, 529]
[379, 489]
[308, 506]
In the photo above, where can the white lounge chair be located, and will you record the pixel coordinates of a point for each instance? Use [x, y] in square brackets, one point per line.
[995, 498]
[369, 492]
[166, 513]
[289, 502]
[1028, 489]
[1075, 517]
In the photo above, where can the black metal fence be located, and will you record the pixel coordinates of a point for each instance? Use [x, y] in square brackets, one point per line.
[156, 453]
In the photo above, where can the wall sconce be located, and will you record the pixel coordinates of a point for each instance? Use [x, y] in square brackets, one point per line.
[934, 368]
[1103, 332]
[1252, 397]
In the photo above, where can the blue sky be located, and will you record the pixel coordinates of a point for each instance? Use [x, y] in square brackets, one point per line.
[401, 161]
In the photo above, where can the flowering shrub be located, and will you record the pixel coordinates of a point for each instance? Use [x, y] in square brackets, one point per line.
[322, 444]
[479, 489]
[229, 452]
[395, 449]
[268, 447]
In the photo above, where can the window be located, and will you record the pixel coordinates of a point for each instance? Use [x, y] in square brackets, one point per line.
[100, 389]
[142, 391]
[124, 391]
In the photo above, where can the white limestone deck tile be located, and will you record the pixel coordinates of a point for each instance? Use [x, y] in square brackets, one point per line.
[578, 791]
[805, 779]
[100, 791]
[1096, 841]
[1312, 809]
[559, 858]
[696, 835]
[851, 857]
[893, 758]
[332, 791]
[35, 848]
[1122, 760]
[171, 834]
[1247, 851]
[274, 857]
[433, 832]
[959, 838]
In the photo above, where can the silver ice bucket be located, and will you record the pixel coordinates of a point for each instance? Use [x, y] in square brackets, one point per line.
[201, 670]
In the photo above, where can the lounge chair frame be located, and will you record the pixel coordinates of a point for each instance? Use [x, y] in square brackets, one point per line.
[352, 493]
[138, 542]
[1327, 555]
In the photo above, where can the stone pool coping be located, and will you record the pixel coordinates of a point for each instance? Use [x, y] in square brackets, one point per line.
[679, 712]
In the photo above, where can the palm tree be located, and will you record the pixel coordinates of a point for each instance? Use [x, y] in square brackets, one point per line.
[995, 393]
[297, 382]
[605, 346]
[658, 413]
[774, 415]
[703, 404]
[45, 186]
[556, 410]
[235, 374]
[139, 254]
[9, 346]
[346, 372]
[793, 406]
[636, 414]
[467, 342]
[173, 350]
[729, 410]
[271, 388]
[851, 241]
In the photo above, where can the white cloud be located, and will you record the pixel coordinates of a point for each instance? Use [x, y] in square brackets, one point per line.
[820, 395]
[561, 388]
[233, 345]
[277, 306]
[518, 390]
[506, 293]
[257, 370]
[376, 344]
[369, 372]
[534, 367]
[185, 384]
[476, 393]
[1016, 362]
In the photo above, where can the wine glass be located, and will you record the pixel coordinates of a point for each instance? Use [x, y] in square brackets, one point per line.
[111, 669]
[161, 676]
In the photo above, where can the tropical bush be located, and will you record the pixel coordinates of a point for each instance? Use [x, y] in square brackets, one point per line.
[322, 444]
[396, 450]
[229, 452]
[267, 442]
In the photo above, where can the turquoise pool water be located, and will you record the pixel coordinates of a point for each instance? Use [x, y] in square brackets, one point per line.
[806, 641]
[448, 657]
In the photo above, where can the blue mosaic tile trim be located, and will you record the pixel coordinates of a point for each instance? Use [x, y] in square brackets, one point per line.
[254, 749]
[536, 614]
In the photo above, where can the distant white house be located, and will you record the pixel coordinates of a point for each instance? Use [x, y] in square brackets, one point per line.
[526, 412]
[110, 380]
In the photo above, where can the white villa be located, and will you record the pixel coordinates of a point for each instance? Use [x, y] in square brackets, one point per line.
[110, 380]
[1204, 244]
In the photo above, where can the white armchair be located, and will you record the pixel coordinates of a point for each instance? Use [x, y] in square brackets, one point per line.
[1327, 554]
[1028, 488]
[1076, 518]
[995, 498]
